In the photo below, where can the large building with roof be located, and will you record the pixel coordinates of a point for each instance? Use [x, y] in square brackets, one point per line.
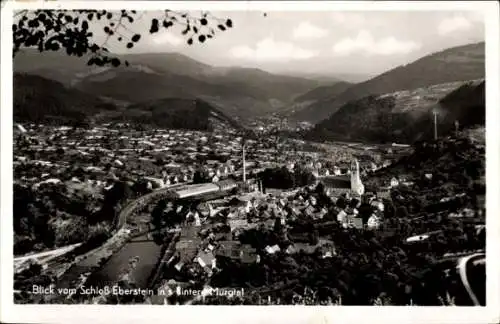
[204, 190]
[348, 183]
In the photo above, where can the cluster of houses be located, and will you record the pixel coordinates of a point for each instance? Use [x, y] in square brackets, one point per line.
[160, 157]
[191, 250]
[45, 154]
[216, 225]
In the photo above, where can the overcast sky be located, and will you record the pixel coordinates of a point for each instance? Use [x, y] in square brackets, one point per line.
[324, 42]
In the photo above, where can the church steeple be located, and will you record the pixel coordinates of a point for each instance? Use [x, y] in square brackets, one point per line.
[357, 186]
[354, 169]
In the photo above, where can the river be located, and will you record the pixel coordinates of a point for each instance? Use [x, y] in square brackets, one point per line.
[148, 253]
[143, 247]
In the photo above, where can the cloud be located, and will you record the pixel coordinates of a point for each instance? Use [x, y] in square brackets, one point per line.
[167, 38]
[270, 50]
[307, 30]
[348, 19]
[453, 24]
[364, 42]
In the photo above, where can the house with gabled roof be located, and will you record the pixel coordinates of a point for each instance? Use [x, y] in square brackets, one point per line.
[206, 260]
[272, 249]
[237, 223]
[309, 211]
[228, 249]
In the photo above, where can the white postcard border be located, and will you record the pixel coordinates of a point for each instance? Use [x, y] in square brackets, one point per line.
[255, 314]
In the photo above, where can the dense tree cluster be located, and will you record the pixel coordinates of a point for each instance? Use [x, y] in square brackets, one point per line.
[453, 167]
[282, 178]
[201, 176]
[50, 216]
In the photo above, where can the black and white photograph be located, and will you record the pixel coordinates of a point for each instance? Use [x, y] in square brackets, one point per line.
[188, 154]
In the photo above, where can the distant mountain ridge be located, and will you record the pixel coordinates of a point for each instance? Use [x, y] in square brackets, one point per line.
[405, 116]
[324, 92]
[334, 77]
[315, 95]
[460, 63]
[41, 100]
[244, 93]
[241, 92]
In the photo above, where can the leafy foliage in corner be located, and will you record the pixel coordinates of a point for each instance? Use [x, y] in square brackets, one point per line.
[71, 30]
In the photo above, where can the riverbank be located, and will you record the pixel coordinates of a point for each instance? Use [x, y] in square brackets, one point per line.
[94, 259]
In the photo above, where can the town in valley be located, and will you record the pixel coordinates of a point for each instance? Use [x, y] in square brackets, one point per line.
[145, 184]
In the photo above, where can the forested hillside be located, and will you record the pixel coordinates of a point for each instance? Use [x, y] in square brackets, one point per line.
[37, 99]
[405, 116]
[174, 113]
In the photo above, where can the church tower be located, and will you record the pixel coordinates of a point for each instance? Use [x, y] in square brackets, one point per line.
[357, 186]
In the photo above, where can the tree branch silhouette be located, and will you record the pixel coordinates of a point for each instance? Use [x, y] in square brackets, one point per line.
[54, 30]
